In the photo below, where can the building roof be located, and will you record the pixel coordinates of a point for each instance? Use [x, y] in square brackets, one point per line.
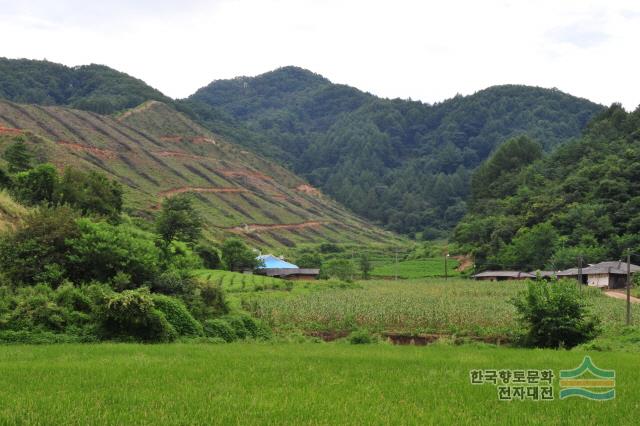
[618, 264]
[283, 272]
[544, 274]
[592, 270]
[272, 262]
[505, 274]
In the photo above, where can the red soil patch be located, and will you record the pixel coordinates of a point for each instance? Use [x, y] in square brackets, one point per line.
[182, 190]
[201, 140]
[258, 227]
[464, 263]
[98, 152]
[179, 154]
[244, 173]
[173, 139]
[10, 131]
[308, 189]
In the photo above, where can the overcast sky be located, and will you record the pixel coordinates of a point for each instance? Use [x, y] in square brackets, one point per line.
[426, 50]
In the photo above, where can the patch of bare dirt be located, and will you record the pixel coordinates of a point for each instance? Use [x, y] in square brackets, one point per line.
[105, 154]
[179, 154]
[464, 263]
[10, 131]
[308, 189]
[145, 106]
[620, 294]
[285, 226]
[170, 138]
[202, 140]
[184, 189]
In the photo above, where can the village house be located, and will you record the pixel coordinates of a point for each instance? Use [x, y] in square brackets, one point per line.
[273, 266]
[611, 274]
[503, 276]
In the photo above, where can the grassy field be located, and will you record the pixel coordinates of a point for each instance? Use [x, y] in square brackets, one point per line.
[255, 383]
[454, 306]
[416, 268]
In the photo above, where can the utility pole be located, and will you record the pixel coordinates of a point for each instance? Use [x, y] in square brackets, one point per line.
[628, 288]
[396, 265]
[446, 272]
[580, 272]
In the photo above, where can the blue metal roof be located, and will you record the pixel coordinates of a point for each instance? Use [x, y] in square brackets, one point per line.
[270, 261]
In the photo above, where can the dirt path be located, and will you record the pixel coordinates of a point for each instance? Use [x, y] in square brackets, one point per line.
[106, 154]
[257, 227]
[182, 190]
[620, 294]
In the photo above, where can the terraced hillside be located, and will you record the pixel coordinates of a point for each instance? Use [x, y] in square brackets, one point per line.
[155, 152]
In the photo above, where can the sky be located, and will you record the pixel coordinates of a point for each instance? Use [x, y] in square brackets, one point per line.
[423, 50]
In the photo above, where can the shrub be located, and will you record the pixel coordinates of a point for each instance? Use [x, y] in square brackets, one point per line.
[213, 298]
[361, 337]
[102, 250]
[133, 314]
[210, 256]
[38, 248]
[72, 298]
[221, 329]
[555, 315]
[178, 316]
[245, 326]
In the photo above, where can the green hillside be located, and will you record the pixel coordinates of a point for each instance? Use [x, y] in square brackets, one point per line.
[582, 200]
[402, 164]
[93, 87]
[156, 152]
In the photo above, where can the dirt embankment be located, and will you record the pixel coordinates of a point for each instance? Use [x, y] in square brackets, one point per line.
[283, 226]
[308, 189]
[10, 131]
[464, 263]
[179, 154]
[175, 191]
[249, 174]
[106, 154]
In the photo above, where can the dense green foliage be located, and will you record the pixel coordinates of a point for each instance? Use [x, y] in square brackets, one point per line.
[94, 88]
[582, 199]
[401, 163]
[237, 256]
[555, 315]
[178, 220]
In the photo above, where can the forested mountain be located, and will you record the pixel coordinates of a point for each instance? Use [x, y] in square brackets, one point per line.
[401, 163]
[582, 200]
[94, 88]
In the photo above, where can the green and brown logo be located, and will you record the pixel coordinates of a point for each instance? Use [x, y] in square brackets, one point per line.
[588, 381]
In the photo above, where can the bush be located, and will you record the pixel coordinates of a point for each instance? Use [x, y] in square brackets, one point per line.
[219, 328]
[178, 316]
[133, 314]
[245, 326]
[361, 337]
[102, 250]
[38, 249]
[210, 256]
[555, 315]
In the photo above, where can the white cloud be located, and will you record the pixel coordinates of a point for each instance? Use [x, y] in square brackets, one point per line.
[427, 50]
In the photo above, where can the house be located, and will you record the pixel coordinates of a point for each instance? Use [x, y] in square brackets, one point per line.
[547, 275]
[503, 275]
[611, 274]
[273, 266]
